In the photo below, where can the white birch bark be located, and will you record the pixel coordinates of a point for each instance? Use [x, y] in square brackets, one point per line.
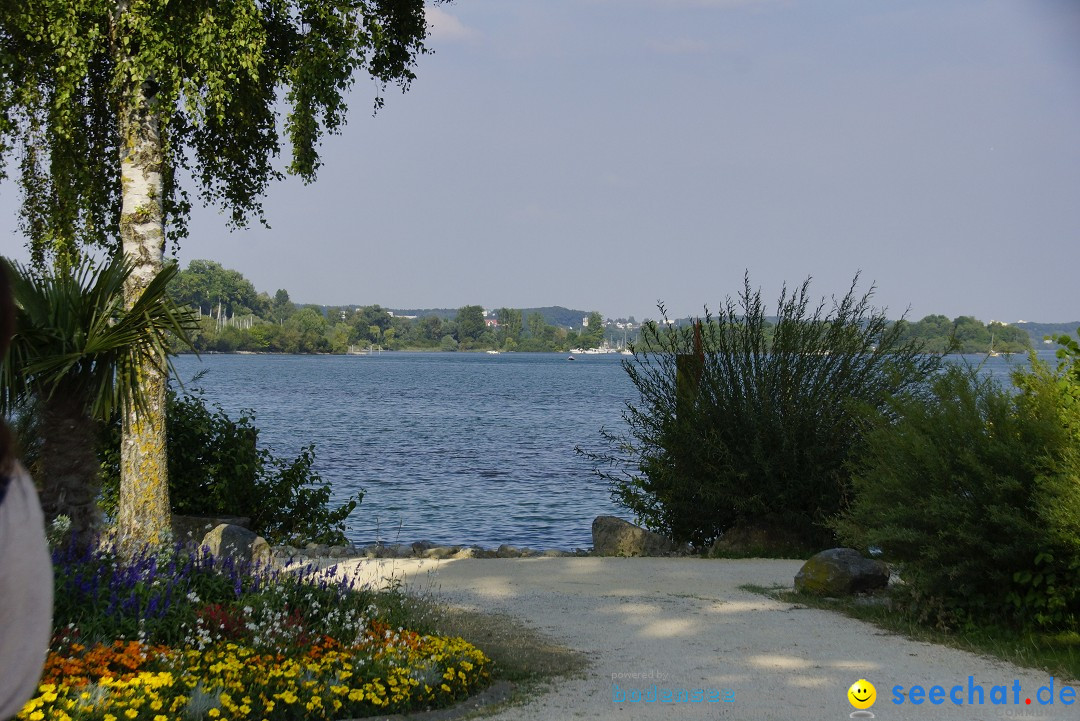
[144, 514]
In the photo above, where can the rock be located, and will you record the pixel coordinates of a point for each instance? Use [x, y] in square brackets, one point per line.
[239, 543]
[285, 552]
[338, 552]
[508, 551]
[841, 572]
[419, 547]
[615, 537]
[317, 550]
[192, 529]
[555, 553]
[400, 550]
[439, 552]
[465, 553]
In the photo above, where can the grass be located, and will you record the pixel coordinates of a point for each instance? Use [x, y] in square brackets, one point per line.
[1057, 654]
[523, 661]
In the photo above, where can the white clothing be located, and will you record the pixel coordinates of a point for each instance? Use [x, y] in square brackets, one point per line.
[26, 593]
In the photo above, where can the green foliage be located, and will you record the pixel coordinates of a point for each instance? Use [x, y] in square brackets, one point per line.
[213, 74]
[974, 491]
[966, 334]
[234, 317]
[74, 361]
[592, 336]
[216, 467]
[470, 324]
[208, 286]
[748, 426]
[74, 337]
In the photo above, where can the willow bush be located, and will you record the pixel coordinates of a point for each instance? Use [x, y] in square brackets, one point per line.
[746, 424]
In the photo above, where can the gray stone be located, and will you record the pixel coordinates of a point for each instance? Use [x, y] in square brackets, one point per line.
[555, 553]
[841, 572]
[439, 552]
[285, 551]
[317, 550]
[338, 552]
[508, 551]
[189, 530]
[238, 543]
[419, 547]
[615, 537]
[465, 553]
[400, 550]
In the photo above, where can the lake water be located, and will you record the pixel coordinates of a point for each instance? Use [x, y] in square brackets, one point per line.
[455, 448]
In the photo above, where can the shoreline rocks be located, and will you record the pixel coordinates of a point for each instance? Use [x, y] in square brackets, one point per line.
[613, 536]
[419, 549]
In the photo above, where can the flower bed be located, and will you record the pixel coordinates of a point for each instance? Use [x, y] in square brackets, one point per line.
[158, 638]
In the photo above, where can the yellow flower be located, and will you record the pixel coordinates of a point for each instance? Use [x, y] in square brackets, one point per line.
[37, 716]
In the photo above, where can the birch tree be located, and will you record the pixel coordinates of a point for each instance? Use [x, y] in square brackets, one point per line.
[114, 109]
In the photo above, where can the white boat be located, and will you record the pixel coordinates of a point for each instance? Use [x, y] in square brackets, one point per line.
[493, 352]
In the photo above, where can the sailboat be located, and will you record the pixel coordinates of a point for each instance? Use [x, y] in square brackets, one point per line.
[992, 353]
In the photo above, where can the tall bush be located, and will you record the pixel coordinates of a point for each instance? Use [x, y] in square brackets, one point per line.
[975, 492]
[216, 467]
[745, 424]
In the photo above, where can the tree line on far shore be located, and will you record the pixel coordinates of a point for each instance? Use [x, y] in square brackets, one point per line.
[237, 317]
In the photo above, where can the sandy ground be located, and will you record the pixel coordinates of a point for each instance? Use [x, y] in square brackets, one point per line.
[684, 624]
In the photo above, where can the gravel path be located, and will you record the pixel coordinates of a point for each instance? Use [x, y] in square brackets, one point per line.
[684, 624]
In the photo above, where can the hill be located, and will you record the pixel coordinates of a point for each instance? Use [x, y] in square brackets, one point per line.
[1038, 331]
[553, 314]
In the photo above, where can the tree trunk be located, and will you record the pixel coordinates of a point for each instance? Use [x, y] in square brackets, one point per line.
[69, 465]
[144, 489]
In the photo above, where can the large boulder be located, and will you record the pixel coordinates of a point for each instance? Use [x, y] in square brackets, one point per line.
[840, 572]
[238, 543]
[190, 530]
[615, 537]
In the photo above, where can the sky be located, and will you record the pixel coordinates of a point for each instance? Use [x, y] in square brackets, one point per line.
[609, 154]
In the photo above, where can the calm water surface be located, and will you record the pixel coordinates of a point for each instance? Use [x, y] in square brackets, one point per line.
[455, 448]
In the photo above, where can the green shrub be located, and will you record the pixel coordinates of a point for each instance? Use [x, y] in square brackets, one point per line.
[975, 492]
[216, 467]
[745, 425]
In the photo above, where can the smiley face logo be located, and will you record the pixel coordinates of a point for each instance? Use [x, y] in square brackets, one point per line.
[862, 694]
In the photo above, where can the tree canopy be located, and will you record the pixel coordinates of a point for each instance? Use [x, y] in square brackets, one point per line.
[214, 74]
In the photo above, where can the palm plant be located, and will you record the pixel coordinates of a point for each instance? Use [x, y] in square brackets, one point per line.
[74, 362]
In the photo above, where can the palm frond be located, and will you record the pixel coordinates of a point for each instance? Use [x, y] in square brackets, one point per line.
[74, 335]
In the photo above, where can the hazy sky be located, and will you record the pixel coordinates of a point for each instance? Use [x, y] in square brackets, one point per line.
[606, 154]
